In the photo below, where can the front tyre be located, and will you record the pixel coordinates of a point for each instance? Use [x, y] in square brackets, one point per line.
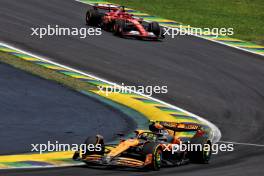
[76, 155]
[156, 151]
[155, 28]
[98, 140]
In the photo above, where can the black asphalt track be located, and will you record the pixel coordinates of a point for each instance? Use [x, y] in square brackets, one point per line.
[35, 111]
[221, 84]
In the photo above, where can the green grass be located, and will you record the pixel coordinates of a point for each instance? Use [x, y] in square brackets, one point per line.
[246, 17]
[44, 72]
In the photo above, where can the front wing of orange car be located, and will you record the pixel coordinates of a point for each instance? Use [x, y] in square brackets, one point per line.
[117, 161]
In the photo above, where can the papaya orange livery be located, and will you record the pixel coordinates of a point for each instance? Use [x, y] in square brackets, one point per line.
[148, 149]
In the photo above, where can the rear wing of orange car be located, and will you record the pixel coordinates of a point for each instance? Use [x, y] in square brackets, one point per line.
[174, 126]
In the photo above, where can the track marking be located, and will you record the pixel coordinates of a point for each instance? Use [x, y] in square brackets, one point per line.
[215, 131]
[241, 143]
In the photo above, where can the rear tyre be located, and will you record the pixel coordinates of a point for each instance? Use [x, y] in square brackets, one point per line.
[203, 156]
[119, 28]
[155, 28]
[156, 151]
[93, 17]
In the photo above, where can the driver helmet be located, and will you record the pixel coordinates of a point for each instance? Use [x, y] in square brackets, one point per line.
[155, 127]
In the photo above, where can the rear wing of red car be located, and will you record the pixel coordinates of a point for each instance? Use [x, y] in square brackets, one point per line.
[109, 7]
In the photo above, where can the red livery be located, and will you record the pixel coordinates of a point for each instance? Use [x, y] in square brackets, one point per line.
[117, 20]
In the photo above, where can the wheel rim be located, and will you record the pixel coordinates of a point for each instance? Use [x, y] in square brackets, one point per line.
[88, 17]
[119, 30]
[158, 158]
[207, 154]
[115, 28]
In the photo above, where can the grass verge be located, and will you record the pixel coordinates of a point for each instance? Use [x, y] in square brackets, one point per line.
[44, 72]
[244, 16]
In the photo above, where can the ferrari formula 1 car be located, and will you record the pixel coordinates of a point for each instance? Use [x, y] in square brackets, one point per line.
[150, 149]
[117, 20]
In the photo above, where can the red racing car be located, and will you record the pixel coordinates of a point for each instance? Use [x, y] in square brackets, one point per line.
[121, 23]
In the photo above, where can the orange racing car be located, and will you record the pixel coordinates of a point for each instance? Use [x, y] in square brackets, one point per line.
[150, 149]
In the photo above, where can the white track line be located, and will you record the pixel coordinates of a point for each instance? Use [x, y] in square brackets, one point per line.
[236, 47]
[241, 143]
[216, 132]
[216, 41]
[44, 167]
